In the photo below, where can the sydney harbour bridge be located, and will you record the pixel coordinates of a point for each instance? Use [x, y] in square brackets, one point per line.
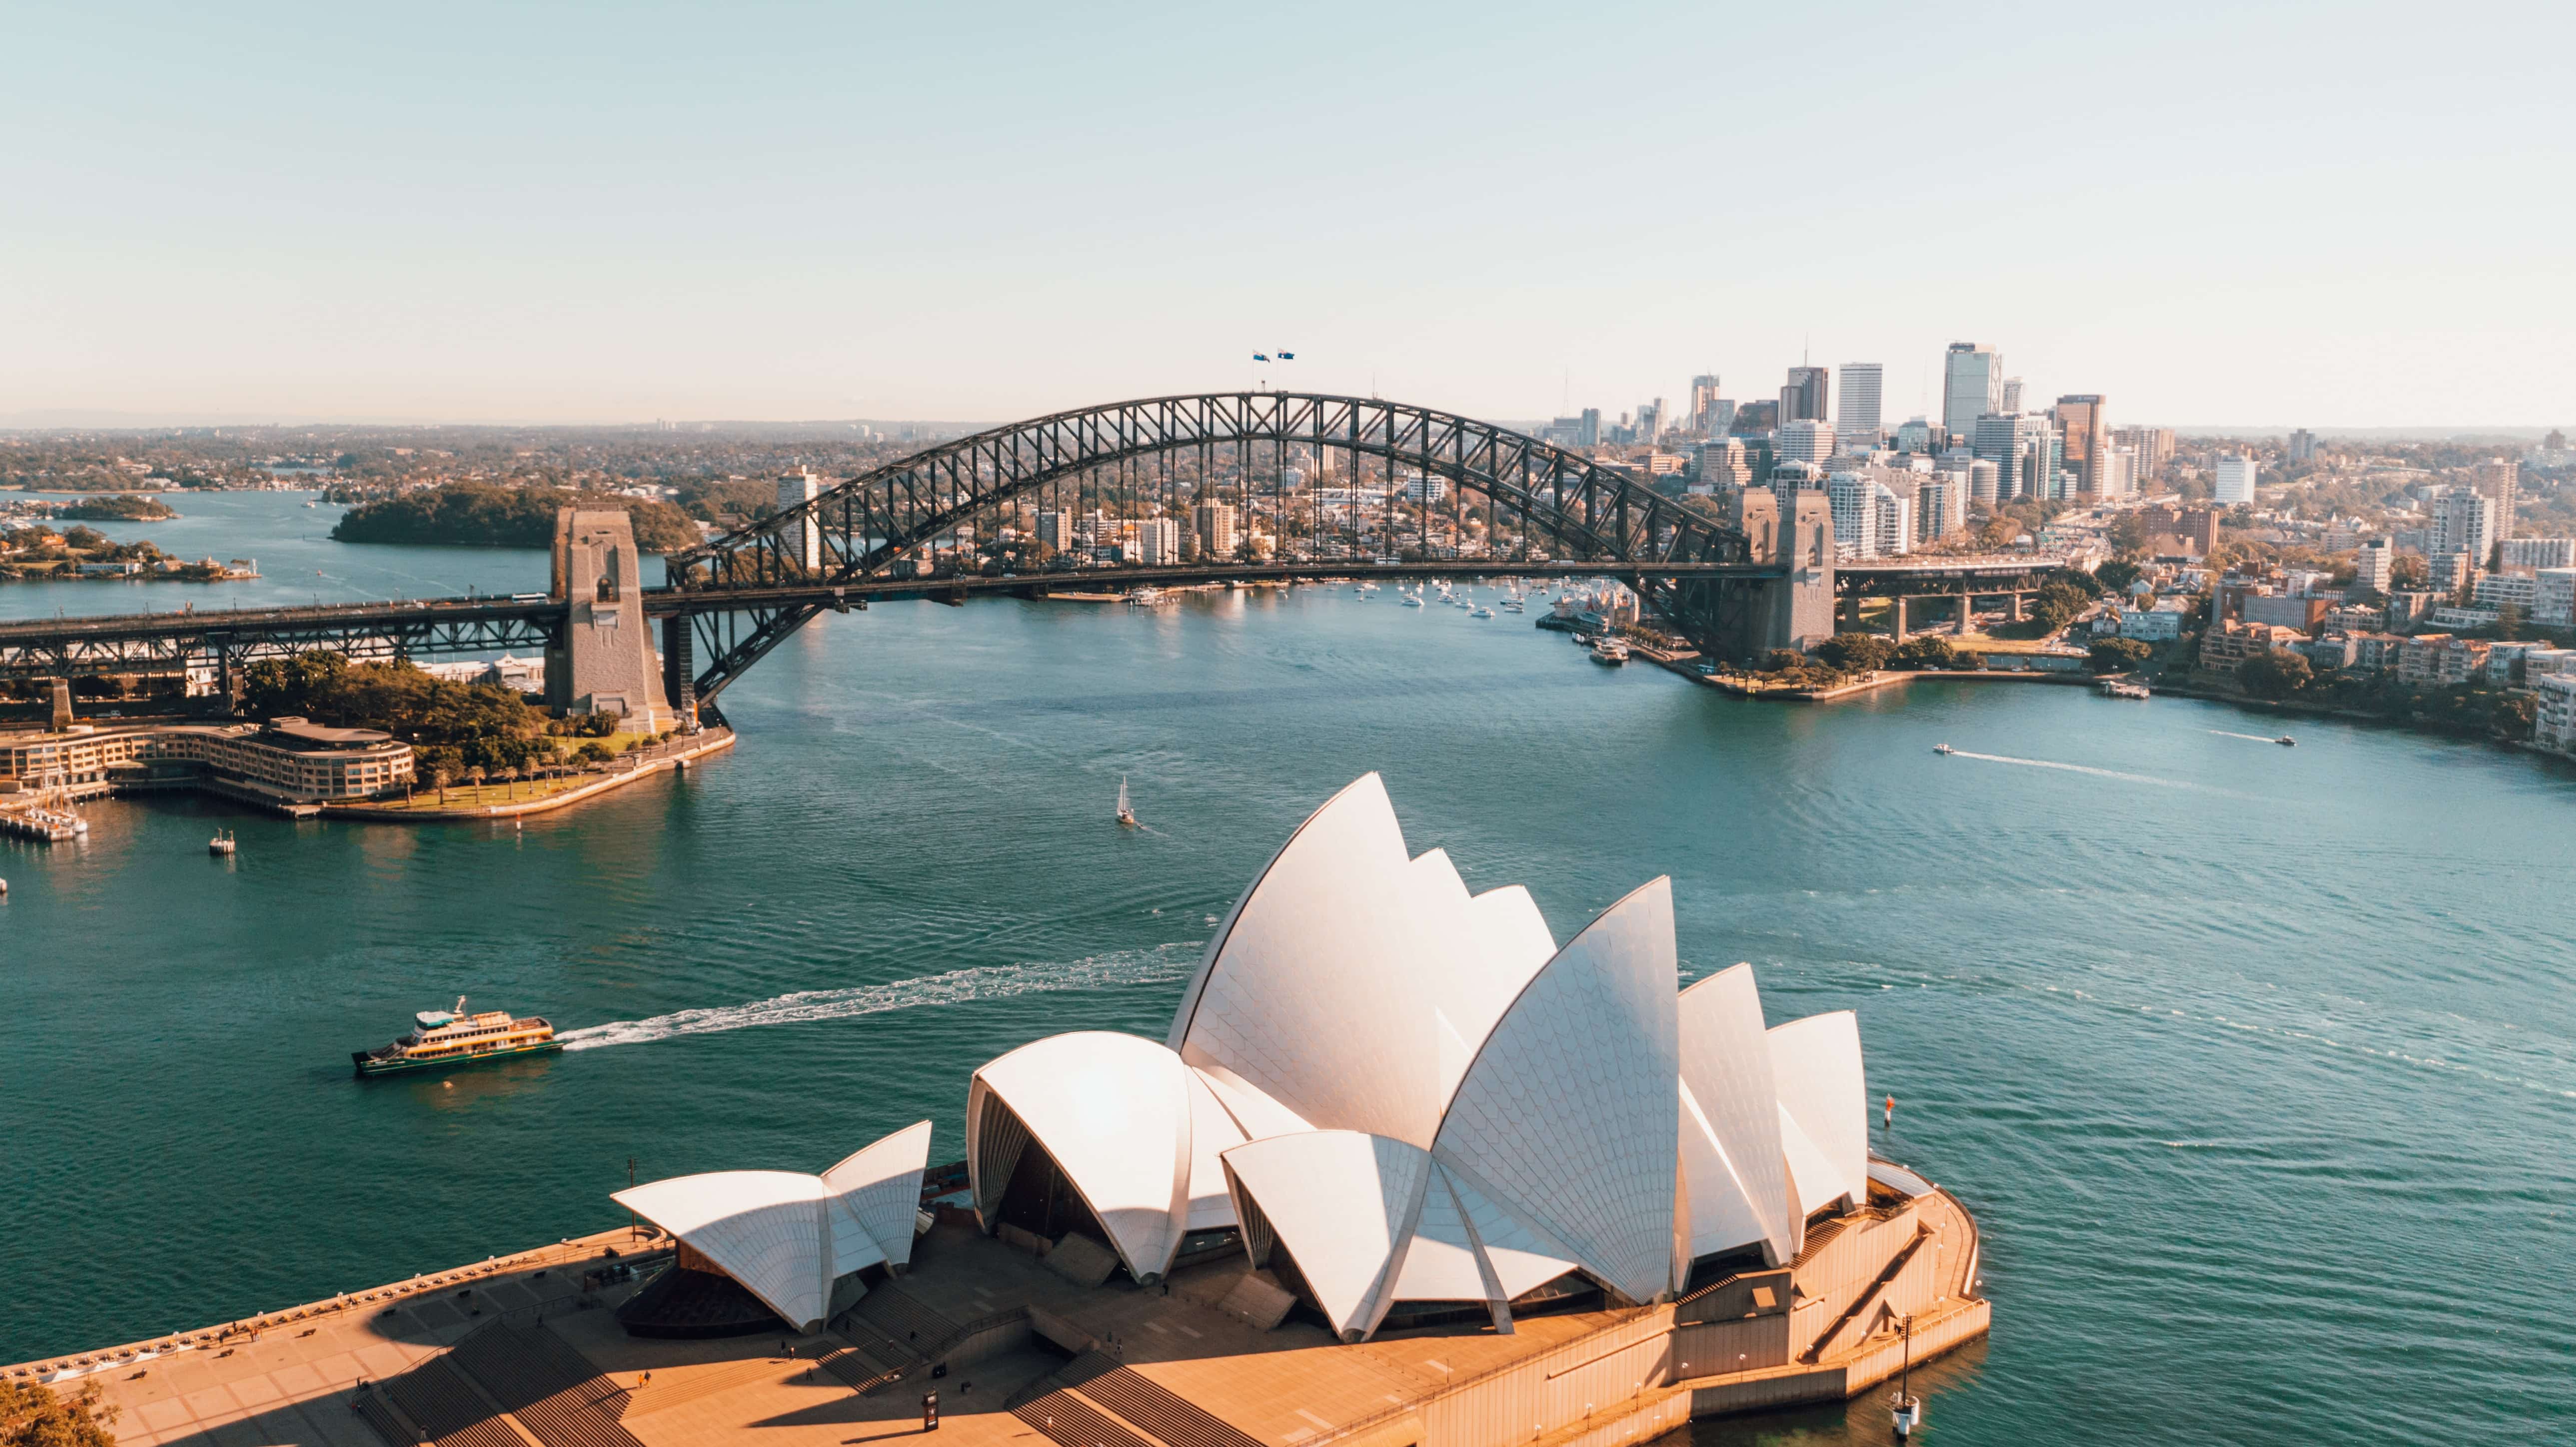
[1735, 589]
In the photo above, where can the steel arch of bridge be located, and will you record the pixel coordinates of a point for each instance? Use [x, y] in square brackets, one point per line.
[1583, 510]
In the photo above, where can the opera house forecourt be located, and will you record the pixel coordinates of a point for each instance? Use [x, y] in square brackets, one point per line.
[1404, 1172]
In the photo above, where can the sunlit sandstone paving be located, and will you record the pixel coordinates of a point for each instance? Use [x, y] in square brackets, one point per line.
[323, 1373]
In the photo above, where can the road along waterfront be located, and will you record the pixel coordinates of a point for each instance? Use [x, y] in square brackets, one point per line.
[2226, 1045]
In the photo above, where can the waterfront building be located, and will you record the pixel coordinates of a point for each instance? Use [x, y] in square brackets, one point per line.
[1857, 416]
[803, 538]
[285, 761]
[2436, 659]
[2526, 554]
[2542, 661]
[1971, 386]
[2229, 643]
[2555, 725]
[2375, 651]
[2232, 482]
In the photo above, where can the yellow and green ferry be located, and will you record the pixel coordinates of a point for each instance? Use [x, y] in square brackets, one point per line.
[441, 1038]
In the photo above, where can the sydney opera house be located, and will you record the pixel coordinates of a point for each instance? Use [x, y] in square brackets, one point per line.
[1386, 1106]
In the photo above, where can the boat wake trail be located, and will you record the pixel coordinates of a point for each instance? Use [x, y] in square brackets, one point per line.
[2076, 769]
[2255, 738]
[956, 987]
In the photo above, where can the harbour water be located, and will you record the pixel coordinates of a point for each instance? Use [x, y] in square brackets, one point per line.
[2257, 1064]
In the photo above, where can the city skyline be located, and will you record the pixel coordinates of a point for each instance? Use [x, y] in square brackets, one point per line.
[772, 215]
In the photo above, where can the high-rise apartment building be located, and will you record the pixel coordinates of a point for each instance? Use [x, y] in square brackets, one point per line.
[803, 539]
[1940, 505]
[2155, 448]
[1722, 462]
[2499, 480]
[1055, 530]
[1871, 518]
[2233, 480]
[2464, 523]
[2011, 395]
[1158, 542]
[2374, 566]
[1972, 385]
[1857, 418]
[2303, 446]
[1214, 523]
[1804, 400]
[1650, 420]
[2528, 554]
[1803, 441]
[2088, 436]
[1590, 434]
[2119, 472]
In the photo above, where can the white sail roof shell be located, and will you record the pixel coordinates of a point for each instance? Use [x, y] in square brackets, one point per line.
[1350, 986]
[1114, 1111]
[1568, 1118]
[764, 1228]
[1344, 1205]
[1731, 1120]
[875, 1195]
[1816, 1063]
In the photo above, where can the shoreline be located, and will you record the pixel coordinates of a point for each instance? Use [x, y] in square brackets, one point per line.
[713, 741]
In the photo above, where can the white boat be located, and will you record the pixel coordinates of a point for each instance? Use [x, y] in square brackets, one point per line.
[1943, 749]
[1126, 814]
[1144, 597]
[1482, 613]
[1609, 650]
[1412, 600]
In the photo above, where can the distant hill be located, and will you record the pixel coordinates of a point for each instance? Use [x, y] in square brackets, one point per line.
[480, 515]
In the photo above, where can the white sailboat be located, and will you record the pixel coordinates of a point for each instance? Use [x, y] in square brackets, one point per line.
[1126, 815]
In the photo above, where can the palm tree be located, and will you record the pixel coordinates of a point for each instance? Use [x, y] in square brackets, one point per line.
[441, 778]
[476, 776]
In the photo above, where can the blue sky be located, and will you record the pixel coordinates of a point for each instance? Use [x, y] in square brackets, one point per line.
[2350, 215]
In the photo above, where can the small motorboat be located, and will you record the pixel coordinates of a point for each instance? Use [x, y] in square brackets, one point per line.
[1126, 814]
[2286, 742]
[1482, 613]
[222, 843]
[1943, 749]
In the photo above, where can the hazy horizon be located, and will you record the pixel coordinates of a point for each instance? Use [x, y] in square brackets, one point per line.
[2344, 220]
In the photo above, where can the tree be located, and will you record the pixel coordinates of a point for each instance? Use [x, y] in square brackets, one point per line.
[2274, 675]
[2410, 571]
[2117, 575]
[1783, 660]
[35, 1415]
[2118, 655]
[1931, 651]
[2129, 536]
[1855, 652]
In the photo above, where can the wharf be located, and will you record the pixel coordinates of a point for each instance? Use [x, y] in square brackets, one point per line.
[526, 1352]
